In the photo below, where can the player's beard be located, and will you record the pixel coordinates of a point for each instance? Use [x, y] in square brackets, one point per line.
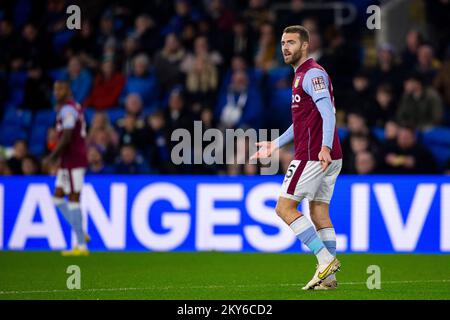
[294, 58]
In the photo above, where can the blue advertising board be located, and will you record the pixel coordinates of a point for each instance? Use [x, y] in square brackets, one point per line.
[383, 214]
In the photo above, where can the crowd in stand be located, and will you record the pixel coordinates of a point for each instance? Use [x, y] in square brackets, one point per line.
[144, 69]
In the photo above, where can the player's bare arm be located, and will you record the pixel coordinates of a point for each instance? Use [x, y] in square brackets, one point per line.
[61, 146]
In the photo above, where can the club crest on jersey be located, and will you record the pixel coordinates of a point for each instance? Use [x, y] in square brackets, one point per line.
[297, 81]
[318, 84]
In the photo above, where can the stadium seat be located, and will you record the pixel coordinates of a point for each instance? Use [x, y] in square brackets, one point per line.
[38, 134]
[17, 117]
[36, 149]
[17, 79]
[60, 39]
[437, 136]
[115, 114]
[45, 118]
[343, 133]
[440, 153]
[10, 134]
[279, 114]
[379, 133]
[56, 74]
[278, 74]
[89, 115]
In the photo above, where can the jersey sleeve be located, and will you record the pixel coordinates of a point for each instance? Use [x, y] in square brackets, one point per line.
[315, 83]
[69, 117]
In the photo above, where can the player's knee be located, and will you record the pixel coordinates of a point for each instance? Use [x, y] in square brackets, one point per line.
[280, 209]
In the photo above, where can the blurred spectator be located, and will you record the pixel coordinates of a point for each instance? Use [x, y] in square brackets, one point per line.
[177, 115]
[384, 107]
[32, 46]
[222, 17]
[37, 90]
[103, 140]
[427, 65]
[239, 42]
[442, 82]
[96, 164]
[83, 44]
[107, 87]
[201, 84]
[80, 79]
[20, 151]
[419, 106]
[414, 40]
[129, 162]
[268, 54]
[30, 166]
[258, 13]
[184, 14]
[147, 34]
[167, 63]
[240, 106]
[359, 97]
[142, 81]
[7, 40]
[130, 50]
[131, 131]
[406, 155]
[157, 133]
[201, 50]
[354, 144]
[133, 105]
[106, 31]
[387, 69]
[365, 163]
[100, 121]
[4, 168]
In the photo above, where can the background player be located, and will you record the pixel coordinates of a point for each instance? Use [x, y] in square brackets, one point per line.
[318, 157]
[71, 151]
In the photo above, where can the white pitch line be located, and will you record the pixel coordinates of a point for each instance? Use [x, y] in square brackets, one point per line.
[204, 287]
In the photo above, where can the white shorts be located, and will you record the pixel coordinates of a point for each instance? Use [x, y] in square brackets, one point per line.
[70, 180]
[305, 179]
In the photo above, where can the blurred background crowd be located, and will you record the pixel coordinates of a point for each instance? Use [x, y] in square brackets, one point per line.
[145, 68]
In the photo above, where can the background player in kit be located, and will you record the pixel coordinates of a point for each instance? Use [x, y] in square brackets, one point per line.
[318, 157]
[71, 151]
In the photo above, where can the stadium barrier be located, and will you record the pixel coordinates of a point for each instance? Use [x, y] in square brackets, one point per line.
[382, 214]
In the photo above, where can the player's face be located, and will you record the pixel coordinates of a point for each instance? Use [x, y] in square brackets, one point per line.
[291, 48]
[60, 91]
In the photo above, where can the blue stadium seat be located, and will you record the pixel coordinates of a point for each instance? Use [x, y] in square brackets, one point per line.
[10, 134]
[89, 115]
[379, 133]
[440, 153]
[17, 79]
[56, 74]
[45, 118]
[278, 74]
[36, 149]
[115, 114]
[343, 133]
[60, 39]
[279, 115]
[17, 117]
[38, 134]
[437, 136]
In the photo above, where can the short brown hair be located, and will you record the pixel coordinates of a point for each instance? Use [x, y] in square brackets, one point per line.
[303, 33]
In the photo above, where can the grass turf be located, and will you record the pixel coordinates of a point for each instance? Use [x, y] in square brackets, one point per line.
[114, 275]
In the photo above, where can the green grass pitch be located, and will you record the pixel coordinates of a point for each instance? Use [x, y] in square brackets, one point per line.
[114, 275]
